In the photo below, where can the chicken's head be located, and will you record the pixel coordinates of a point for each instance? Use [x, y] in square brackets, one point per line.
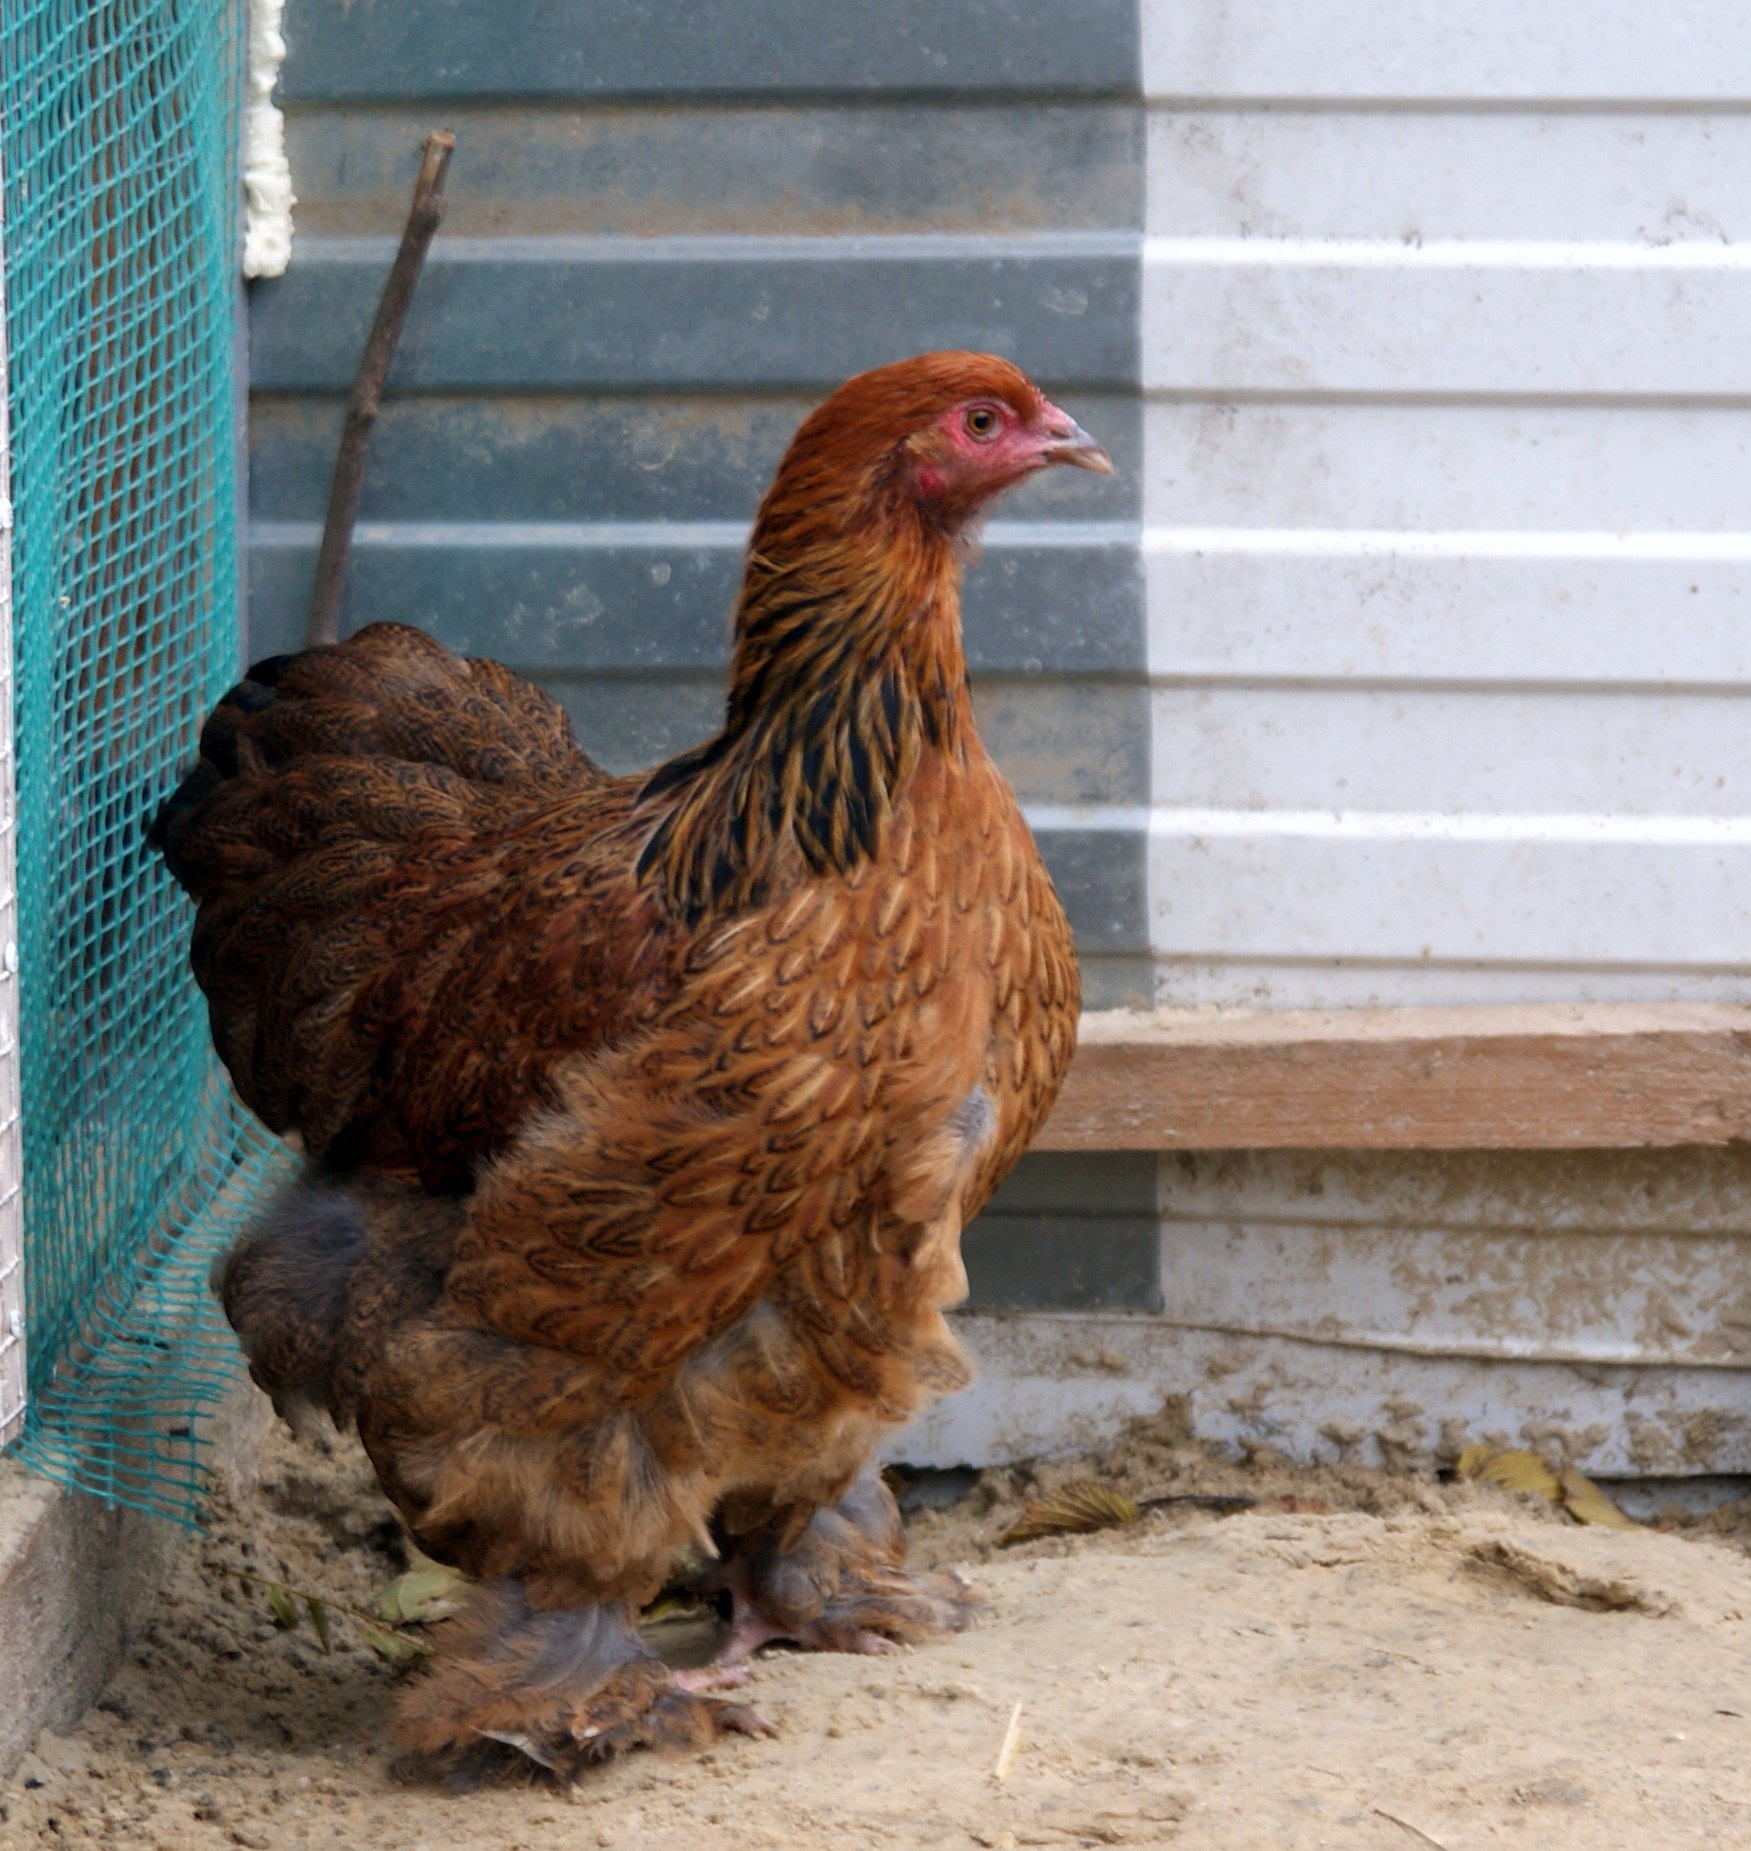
[946, 431]
[999, 429]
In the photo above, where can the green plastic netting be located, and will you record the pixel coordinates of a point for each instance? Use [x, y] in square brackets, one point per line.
[117, 122]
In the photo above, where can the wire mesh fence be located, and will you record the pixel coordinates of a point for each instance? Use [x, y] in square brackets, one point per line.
[117, 141]
[11, 1157]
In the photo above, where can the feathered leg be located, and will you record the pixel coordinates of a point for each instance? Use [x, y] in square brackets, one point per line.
[515, 1691]
[841, 1586]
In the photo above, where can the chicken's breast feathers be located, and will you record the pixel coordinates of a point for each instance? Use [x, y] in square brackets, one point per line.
[835, 1086]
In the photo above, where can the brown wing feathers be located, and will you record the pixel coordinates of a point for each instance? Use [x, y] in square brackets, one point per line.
[343, 832]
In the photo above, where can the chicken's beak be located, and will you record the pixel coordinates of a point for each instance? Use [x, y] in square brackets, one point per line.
[1072, 444]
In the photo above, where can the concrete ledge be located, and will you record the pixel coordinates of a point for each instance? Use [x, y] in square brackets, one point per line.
[1060, 1383]
[77, 1578]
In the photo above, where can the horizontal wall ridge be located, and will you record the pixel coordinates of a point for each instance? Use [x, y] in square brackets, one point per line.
[1699, 251]
[1452, 543]
[726, 248]
[1599, 1355]
[1369, 103]
[1469, 826]
[999, 536]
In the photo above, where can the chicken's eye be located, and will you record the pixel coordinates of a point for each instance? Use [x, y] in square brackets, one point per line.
[982, 422]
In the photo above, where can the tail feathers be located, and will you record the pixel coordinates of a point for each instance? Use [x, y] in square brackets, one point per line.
[427, 720]
[346, 833]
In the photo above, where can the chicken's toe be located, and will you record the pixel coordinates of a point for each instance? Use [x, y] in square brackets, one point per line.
[840, 1586]
[674, 1718]
[869, 1614]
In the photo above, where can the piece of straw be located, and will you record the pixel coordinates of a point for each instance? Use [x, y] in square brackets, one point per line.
[1006, 1754]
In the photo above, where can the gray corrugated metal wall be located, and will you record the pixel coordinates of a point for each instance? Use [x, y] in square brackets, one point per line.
[671, 228]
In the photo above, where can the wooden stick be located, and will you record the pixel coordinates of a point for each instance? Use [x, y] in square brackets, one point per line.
[349, 463]
[1199, 1500]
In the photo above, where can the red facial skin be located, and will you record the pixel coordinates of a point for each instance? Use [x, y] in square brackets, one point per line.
[981, 446]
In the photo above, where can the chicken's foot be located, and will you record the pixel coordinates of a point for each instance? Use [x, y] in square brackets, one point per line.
[515, 1692]
[842, 1586]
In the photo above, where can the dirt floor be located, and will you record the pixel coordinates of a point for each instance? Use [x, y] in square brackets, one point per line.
[1351, 1660]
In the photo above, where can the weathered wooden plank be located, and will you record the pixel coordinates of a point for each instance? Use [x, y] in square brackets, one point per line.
[1531, 1077]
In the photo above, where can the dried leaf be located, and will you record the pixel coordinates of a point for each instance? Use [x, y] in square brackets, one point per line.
[1586, 1503]
[318, 1620]
[1513, 1471]
[421, 1595]
[283, 1607]
[1072, 1510]
[670, 1607]
[1522, 1471]
[1474, 1458]
[394, 1648]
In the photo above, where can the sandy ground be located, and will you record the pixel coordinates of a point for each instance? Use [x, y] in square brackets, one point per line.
[1354, 1661]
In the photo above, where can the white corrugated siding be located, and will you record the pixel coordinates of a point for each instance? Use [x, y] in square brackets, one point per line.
[1446, 484]
[1446, 510]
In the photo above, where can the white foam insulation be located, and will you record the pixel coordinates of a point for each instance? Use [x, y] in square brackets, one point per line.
[267, 175]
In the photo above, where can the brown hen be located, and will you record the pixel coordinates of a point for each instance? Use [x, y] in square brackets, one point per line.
[645, 1113]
